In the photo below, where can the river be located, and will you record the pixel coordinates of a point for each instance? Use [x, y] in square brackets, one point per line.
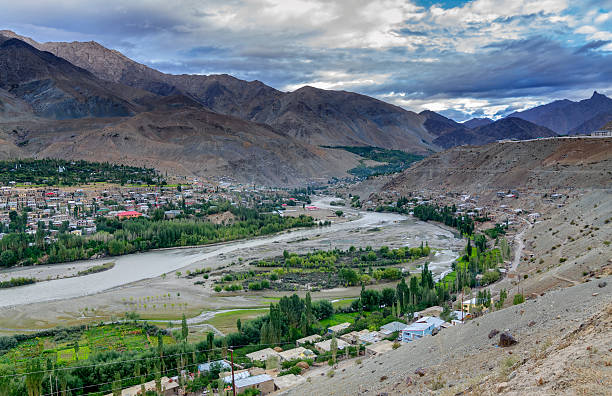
[136, 267]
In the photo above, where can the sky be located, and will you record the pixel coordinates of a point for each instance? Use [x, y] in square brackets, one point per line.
[464, 59]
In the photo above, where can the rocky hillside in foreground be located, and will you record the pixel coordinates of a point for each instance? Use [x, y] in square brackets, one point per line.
[563, 349]
[316, 116]
[540, 165]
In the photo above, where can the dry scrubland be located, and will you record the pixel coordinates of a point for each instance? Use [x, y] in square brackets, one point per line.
[563, 348]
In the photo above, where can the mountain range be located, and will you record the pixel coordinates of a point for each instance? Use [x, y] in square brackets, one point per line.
[80, 100]
[569, 117]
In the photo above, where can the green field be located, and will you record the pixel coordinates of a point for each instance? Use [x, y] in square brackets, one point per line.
[338, 318]
[226, 321]
[61, 347]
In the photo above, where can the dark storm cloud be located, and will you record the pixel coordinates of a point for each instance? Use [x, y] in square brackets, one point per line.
[593, 45]
[492, 51]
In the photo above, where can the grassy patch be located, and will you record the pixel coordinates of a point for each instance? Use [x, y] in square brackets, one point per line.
[226, 321]
[343, 303]
[338, 318]
[392, 161]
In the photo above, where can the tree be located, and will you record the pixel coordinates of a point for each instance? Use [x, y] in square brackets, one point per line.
[160, 344]
[339, 213]
[76, 350]
[238, 324]
[184, 329]
[210, 338]
[518, 299]
[388, 297]
[34, 378]
[5, 382]
[158, 386]
[117, 384]
[334, 348]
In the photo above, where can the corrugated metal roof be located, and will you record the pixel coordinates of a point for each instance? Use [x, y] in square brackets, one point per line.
[256, 379]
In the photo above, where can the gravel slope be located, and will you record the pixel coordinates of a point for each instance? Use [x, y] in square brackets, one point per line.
[463, 357]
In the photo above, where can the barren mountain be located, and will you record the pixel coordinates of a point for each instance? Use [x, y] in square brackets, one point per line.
[51, 108]
[313, 115]
[541, 164]
[506, 128]
[594, 124]
[183, 142]
[437, 124]
[477, 122]
[563, 116]
[55, 88]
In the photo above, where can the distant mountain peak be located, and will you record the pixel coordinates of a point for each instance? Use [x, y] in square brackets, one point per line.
[477, 122]
[566, 116]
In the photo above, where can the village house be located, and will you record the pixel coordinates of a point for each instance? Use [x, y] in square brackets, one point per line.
[338, 328]
[288, 381]
[325, 346]
[379, 348]
[361, 337]
[308, 340]
[262, 382]
[262, 355]
[415, 331]
[390, 328]
[170, 387]
[296, 353]
[223, 365]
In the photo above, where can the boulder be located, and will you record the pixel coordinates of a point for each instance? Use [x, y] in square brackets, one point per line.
[493, 333]
[501, 387]
[506, 339]
[303, 365]
[278, 349]
[602, 284]
[420, 371]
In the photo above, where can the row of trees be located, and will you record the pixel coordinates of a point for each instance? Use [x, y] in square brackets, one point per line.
[53, 172]
[116, 237]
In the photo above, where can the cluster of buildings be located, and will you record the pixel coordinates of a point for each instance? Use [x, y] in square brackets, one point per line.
[78, 208]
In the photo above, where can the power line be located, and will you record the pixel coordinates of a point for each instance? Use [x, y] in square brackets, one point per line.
[141, 359]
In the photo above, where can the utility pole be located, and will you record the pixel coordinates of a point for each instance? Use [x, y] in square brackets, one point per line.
[233, 382]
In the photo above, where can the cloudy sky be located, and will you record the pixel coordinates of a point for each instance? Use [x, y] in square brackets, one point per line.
[461, 58]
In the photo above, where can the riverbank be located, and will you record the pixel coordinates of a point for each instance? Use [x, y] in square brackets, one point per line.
[140, 279]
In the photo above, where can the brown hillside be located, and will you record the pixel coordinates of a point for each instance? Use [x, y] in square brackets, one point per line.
[540, 164]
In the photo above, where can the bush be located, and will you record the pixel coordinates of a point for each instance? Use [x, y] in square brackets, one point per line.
[218, 288]
[293, 370]
[490, 277]
[518, 299]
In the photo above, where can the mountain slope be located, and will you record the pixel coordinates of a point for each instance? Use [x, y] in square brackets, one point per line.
[594, 124]
[477, 122]
[187, 141]
[437, 124]
[313, 115]
[506, 128]
[539, 164]
[563, 116]
[55, 88]
[51, 108]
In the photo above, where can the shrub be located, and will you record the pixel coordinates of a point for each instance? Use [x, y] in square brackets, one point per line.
[518, 299]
